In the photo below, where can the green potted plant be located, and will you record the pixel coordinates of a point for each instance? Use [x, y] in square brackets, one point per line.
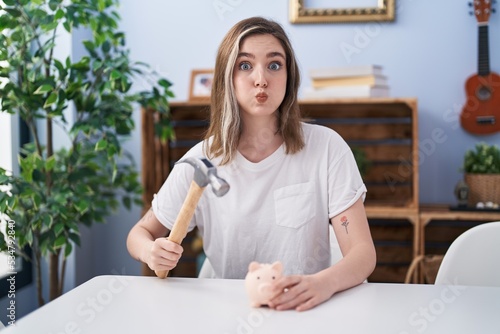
[482, 173]
[58, 190]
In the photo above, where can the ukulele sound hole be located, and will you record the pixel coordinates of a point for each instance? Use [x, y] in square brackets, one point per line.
[483, 93]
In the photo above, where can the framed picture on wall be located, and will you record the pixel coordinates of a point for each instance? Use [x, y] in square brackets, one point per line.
[327, 11]
[201, 85]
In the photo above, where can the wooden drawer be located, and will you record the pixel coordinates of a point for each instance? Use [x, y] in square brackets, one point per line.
[394, 240]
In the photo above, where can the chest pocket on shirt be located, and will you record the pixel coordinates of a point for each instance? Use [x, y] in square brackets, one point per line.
[294, 204]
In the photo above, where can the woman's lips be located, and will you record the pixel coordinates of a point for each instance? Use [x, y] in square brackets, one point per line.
[261, 97]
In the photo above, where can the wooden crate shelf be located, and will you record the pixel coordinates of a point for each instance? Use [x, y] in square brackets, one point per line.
[386, 130]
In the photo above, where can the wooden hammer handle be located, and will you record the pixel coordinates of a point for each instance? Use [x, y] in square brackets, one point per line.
[179, 230]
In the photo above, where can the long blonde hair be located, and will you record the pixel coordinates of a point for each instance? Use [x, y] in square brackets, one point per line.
[225, 122]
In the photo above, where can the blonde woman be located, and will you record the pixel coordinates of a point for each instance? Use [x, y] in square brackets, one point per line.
[289, 181]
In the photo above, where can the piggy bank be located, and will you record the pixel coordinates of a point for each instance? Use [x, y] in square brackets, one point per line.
[258, 281]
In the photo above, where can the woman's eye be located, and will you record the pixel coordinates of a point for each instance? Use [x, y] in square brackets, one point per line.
[275, 66]
[245, 66]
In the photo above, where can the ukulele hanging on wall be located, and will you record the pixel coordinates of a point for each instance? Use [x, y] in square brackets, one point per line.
[481, 113]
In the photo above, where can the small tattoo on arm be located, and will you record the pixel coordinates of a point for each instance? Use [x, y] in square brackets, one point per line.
[345, 222]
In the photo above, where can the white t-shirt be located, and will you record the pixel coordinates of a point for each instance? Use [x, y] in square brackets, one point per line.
[276, 209]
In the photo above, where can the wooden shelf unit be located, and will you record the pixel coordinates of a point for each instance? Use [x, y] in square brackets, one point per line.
[386, 129]
[461, 221]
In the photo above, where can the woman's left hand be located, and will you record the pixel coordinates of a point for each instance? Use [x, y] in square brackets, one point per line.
[299, 292]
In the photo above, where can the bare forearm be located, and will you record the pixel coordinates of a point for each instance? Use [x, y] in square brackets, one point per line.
[354, 238]
[352, 270]
[142, 236]
[139, 243]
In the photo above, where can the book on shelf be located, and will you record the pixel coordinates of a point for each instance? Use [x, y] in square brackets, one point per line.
[345, 71]
[345, 91]
[373, 80]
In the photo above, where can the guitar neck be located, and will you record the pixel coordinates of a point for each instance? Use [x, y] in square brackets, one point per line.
[483, 66]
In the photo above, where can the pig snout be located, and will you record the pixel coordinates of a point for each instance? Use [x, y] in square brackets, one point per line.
[264, 289]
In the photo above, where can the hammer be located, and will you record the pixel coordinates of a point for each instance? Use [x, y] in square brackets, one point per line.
[204, 173]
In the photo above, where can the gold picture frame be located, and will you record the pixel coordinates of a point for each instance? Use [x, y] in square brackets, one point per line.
[299, 13]
[200, 85]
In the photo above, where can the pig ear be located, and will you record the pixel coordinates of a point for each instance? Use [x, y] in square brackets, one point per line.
[253, 266]
[277, 266]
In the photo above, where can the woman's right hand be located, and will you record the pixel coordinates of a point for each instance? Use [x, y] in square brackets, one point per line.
[146, 242]
[163, 254]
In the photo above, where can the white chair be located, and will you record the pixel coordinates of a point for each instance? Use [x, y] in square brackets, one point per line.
[206, 271]
[473, 258]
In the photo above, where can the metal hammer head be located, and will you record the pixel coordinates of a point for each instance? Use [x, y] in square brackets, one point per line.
[205, 173]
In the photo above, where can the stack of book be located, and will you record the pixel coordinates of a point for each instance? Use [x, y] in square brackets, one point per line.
[350, 81]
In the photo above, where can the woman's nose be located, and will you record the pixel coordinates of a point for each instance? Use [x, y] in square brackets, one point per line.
[260, 78]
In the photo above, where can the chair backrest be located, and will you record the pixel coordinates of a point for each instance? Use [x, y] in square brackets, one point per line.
[473, 258]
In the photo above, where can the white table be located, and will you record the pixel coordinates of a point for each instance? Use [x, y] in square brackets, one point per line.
[127, 304]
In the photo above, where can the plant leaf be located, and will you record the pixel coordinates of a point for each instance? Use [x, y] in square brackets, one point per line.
[58, 228]
[60, 241]
[43, 89]
[12, 11]
[3, 179]
[115, 74]
[50, 163]
[29, 237]
[67, 249]
[82, 206]
[101, 145]
[50, 100]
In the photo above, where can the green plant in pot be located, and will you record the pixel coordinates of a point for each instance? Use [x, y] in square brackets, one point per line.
[60, 189]
[482, 173]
